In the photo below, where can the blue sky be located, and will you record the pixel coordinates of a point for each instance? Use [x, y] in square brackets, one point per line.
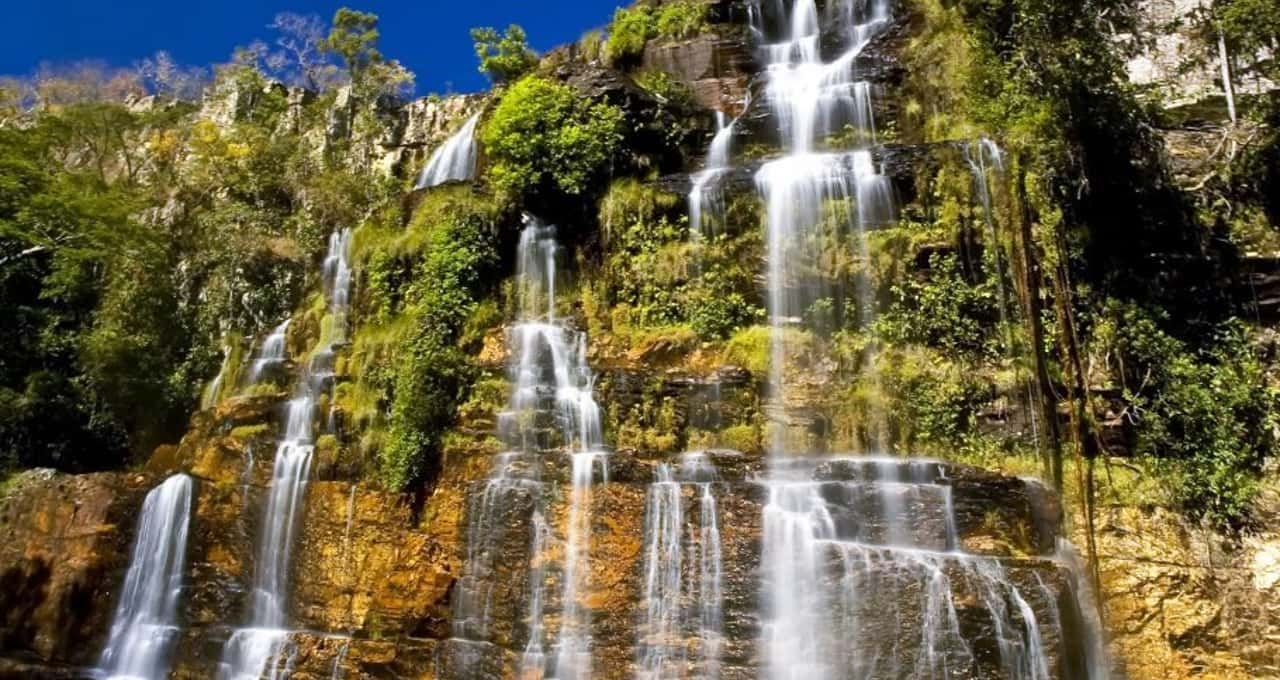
[428, 36]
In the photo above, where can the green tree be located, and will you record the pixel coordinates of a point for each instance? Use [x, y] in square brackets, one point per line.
[504, 58]
[545, 137]
[354, 38]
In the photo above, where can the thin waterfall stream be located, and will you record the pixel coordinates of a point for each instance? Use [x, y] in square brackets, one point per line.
[258, 648]
[453, 161]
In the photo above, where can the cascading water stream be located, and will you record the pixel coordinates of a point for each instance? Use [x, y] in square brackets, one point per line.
[551, 410]
[146, 619]
[213, 392]
[848, 554]
[258, 647]
[704, 195]
[811, 100]
[672, 613]
[455, 160]
[272, 353]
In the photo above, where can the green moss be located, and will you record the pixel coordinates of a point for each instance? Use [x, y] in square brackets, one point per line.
[251, 431]
[749, 348]
[630, 30]
[745, 438]
[681, 19]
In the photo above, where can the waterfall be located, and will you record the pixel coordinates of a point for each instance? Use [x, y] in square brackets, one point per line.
[811, 100]
[259, 646]
[864, 575]
[272, 353]
[455, 160]
[551, 411]
[213, 392]
[145, 625]
[662, 649]
[704, 196]
[672, 613]
[984, 156]
[846, 554]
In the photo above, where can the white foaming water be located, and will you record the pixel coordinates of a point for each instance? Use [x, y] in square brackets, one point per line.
[704, 195]
[551, 408]
[262, 647]
[671, 613]
[662, 639]
[213, 393]
[863, 571]
[272, 353]
[843, 556]
[811, 100]
[146, 619]
[455, 160]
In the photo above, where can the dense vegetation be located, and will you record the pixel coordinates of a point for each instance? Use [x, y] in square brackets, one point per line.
[142, 242]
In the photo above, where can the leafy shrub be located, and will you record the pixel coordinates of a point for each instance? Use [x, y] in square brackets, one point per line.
[682, 19]
[504, 58]
[630, 30]
[1205, 416]
[749, 348]
[544, 137]
[591, 46]
[944, 311]
[672, 92]
[431, 373]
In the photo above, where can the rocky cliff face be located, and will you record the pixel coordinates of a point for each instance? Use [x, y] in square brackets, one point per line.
[376, 577]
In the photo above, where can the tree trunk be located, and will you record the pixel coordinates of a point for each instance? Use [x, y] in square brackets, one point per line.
[1028, 275]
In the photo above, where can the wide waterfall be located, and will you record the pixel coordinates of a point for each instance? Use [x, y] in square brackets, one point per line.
[455, 160]
[257, 648]
[146, 620]
[552, 412]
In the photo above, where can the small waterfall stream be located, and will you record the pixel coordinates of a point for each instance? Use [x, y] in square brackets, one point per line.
[705, 196]
[258, 647]
[673, 615]
[272, 353]
[453, 161]
[146, 619]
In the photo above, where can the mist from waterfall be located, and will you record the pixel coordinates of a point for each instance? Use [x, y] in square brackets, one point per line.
[145, 625]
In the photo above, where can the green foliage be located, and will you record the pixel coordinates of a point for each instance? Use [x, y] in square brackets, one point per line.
[670, 91]
[544, 138]
[354, 38]
[749, 348]
[590, 46]
[1205, 416]
[630, 30]
[933, 403]
[681, 19]
[429, 288]
[504, 58]
[1252, 28]
[943, 310]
